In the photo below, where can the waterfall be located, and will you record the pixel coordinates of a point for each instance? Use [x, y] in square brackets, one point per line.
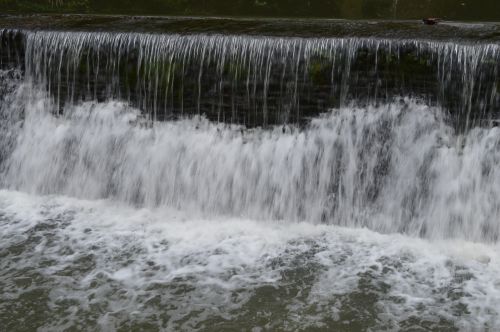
[396, 167]
[201, 175]
[259, 80]
[141, 118]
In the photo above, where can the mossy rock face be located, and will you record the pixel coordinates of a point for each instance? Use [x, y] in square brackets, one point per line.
[274, 87]
[11, 50]
[320, 71]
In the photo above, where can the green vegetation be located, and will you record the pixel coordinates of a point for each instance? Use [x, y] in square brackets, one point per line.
[43, 6]
[401, 9]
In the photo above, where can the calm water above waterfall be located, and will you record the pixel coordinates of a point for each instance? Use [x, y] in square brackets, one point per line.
[222, 174]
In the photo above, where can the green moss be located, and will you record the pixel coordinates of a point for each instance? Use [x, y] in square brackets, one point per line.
[320, 71]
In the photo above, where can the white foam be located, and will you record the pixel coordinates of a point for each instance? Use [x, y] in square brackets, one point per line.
[393, 168]
[200, 270]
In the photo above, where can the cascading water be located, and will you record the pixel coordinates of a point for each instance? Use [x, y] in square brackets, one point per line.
[385, 167]
[262, 80]
[394, 8]
[198, 181]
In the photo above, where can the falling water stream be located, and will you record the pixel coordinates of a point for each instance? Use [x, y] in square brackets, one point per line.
[395, 8]
[248, 182]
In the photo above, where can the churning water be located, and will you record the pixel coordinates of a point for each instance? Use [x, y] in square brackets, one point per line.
[376, 211]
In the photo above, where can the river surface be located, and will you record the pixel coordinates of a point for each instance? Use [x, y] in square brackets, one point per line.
[101, 265]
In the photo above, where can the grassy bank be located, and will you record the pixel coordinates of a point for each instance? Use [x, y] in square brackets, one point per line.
[386, 9]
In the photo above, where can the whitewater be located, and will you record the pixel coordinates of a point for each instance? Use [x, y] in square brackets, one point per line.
[370, 214]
